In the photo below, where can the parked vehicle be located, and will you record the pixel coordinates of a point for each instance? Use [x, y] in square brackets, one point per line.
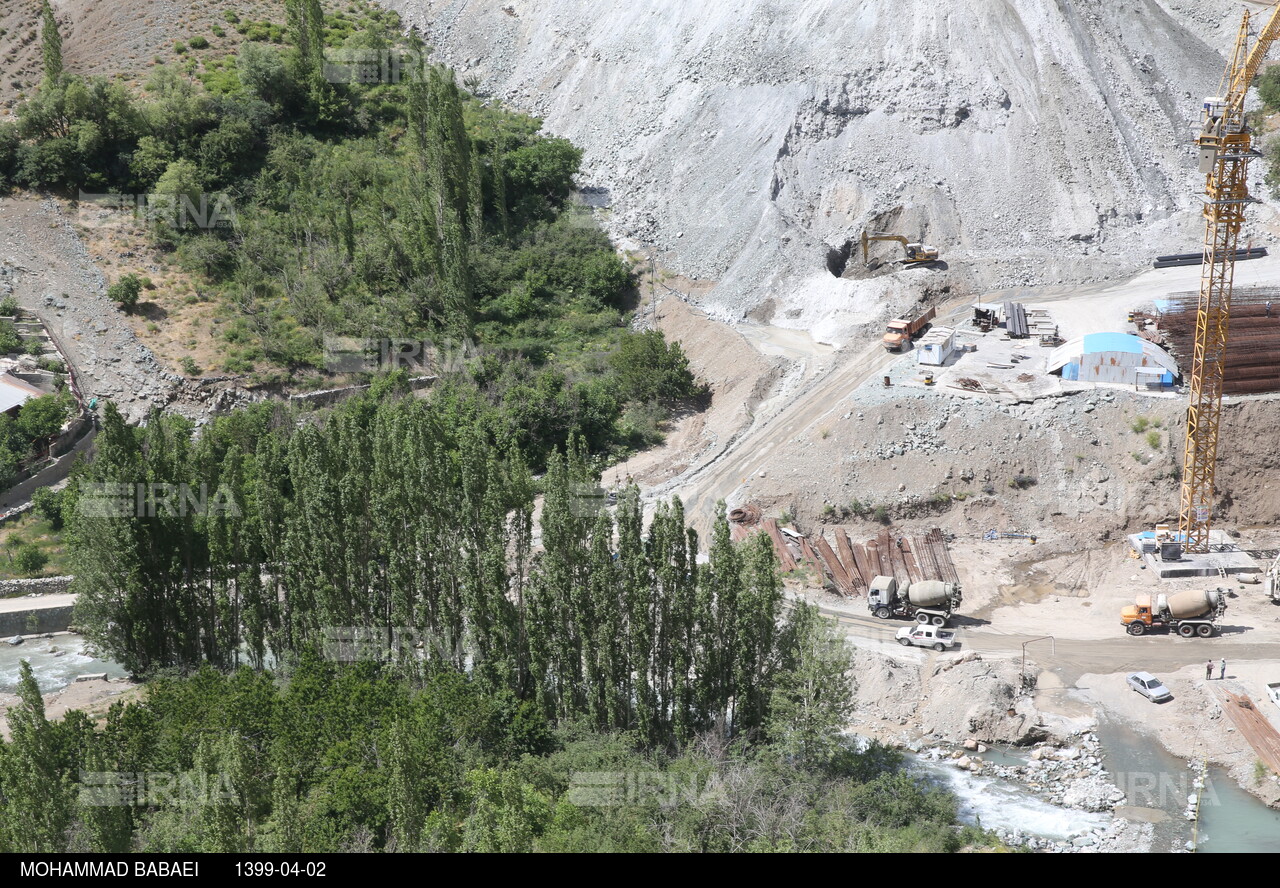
[1273, 691]
[1149, 686]
[1191, 612]
[927, 636]
[931, 601]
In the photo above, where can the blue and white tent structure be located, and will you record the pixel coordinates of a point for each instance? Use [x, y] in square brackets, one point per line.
[1119, 358]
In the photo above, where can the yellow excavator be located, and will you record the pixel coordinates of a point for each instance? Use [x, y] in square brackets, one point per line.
[915, 254]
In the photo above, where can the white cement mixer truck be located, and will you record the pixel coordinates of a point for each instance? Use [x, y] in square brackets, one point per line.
[1190, 612]
[930, 601]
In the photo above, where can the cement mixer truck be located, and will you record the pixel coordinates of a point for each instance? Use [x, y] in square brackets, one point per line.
[931, 601]
[1191, 612]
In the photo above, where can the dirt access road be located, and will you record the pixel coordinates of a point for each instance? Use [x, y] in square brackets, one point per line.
[816, 386]
[1071, 658]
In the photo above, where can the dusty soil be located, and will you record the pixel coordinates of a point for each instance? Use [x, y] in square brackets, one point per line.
[121, 38]
[47, 267]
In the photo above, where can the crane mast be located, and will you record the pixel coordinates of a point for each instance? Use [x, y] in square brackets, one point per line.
[1225, 149]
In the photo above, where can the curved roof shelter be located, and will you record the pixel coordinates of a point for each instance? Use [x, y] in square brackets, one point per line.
[1113, 357]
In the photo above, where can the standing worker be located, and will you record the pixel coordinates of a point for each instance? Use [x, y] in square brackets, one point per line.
[1208, 671]
[1222, 670]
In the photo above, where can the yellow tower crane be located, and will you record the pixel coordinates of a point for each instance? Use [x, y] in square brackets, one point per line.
[1226, 147]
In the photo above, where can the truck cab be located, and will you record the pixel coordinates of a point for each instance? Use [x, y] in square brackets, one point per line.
[882, 596]
[1136, 617]
[895, 334]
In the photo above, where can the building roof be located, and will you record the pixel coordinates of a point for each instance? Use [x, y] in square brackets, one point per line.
[1098, 343]
[938, 335]
[15, 392]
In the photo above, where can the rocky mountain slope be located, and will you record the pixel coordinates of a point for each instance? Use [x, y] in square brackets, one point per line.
[750, 143]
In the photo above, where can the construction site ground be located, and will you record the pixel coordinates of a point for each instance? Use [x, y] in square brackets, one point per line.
[803, 431]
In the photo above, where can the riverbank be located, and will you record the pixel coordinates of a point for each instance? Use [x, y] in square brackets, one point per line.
[58, 660]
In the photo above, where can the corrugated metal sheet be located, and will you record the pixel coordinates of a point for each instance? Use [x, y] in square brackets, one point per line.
[1109, 357]
[15, 392]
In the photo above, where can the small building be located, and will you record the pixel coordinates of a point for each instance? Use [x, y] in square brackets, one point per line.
[15, 392]
[1113, 357]
[936, 346]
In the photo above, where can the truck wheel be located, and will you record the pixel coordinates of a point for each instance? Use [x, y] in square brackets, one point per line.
[922, 619]
[1137, 628]
[938, 621]
[1186, 631]
[905, 642]
[939, 647]
[882, 613]
[1204, 630]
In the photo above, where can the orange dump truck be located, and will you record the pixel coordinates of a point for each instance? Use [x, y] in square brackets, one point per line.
[901, 330]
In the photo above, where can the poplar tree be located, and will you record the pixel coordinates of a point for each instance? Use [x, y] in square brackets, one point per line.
[50, 43]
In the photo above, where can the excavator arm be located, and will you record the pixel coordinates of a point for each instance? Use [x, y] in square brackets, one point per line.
[867, 238]
[914, 253]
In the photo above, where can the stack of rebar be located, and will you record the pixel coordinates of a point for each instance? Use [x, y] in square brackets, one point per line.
[1254, 727]
[1253, 339]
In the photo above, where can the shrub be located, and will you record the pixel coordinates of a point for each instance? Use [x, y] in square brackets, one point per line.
[8, 307]
[231, 17]
[179, 47]
[10, 341]
[1139, 425]
[29, 560]
[1022, 482]
[198, 43]
[1153, 440]
[1269, 88]
[189, 366]
[125, 291]
[882, 514]
[48, 505]
[989, 489]
[648, 368]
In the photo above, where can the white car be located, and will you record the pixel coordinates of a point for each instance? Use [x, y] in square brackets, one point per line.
[1149, 686]
[927, 636]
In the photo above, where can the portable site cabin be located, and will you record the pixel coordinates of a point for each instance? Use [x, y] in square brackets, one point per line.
[936, 346]
[1113, 357]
